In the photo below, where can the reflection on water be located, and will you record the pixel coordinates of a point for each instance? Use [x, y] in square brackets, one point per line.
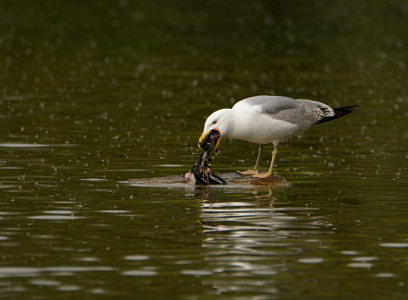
[234, 242]
[55, 217]
[17, 145]
[394, 245]
[249, 240]
[60, 270]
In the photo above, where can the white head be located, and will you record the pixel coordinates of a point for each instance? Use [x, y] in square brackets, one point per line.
[220, 120]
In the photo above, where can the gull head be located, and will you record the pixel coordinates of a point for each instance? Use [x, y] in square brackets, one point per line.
[215, 127]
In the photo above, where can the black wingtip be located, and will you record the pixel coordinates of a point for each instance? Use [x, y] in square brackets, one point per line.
[339, 112]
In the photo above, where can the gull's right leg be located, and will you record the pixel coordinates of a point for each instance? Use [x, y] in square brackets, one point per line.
[255, 170]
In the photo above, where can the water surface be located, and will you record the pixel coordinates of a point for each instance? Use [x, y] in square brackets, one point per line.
[94, 94]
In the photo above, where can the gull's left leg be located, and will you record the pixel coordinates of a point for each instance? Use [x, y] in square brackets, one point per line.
[255, 170]
[269, 173]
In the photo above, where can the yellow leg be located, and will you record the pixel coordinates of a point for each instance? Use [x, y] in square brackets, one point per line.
[258, 159]
[255, 170]
[274, 154]
[269, 173]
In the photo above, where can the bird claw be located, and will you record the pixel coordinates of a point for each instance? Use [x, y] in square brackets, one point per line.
[247, 172]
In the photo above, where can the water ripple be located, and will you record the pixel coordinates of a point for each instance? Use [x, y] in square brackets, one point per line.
[54, 217]
[242, 236]
[139, 273]
[394, 245]
[22, 145]
[137, 257]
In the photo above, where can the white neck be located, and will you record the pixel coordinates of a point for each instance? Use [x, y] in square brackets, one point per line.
[228, 120]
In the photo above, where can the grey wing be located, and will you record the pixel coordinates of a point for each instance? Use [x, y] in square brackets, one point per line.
[326, 110]
[301, 112]
[305, 113]
[269, 104]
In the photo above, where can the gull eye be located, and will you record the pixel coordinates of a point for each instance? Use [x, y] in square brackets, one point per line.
[215, 122]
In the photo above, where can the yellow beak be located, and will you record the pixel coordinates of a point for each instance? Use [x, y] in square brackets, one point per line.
[204, 135]
[201, 139]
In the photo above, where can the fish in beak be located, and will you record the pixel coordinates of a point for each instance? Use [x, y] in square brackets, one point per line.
[210, 141]
[201, 173]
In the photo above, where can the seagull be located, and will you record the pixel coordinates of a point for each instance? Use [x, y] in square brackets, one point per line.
[268, 120]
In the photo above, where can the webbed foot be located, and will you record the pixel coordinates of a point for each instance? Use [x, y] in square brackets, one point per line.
[262, 175]
[248, 172]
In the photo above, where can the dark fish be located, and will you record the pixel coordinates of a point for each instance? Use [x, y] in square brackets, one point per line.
[201, 169]
[210, 141]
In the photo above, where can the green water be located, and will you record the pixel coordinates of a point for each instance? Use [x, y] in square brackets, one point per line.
[94, 93]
